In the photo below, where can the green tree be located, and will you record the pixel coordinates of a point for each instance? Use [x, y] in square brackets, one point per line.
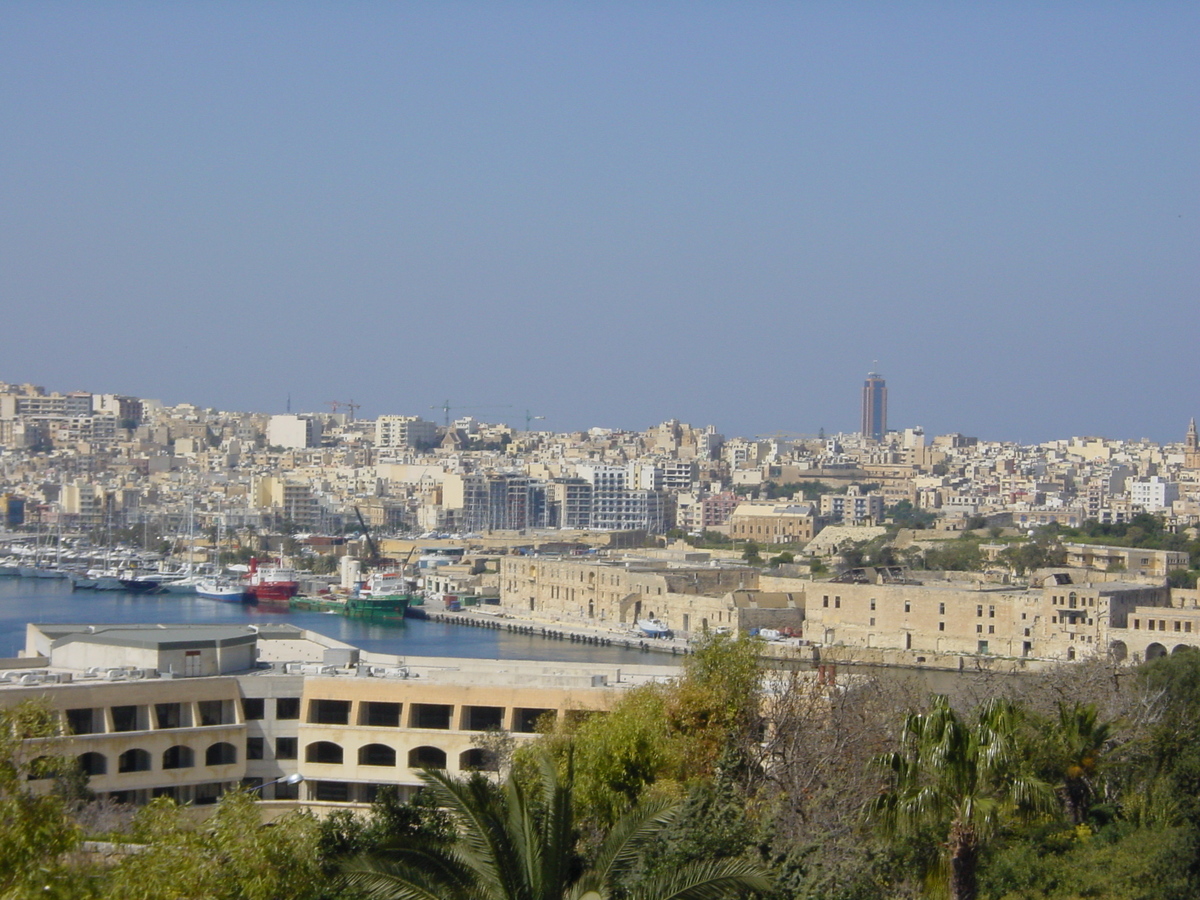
[517, 845]
[960, 779]
[906, 515]
[750, 553]
[230, 856]
[35, 829]
[662, 738]
[958, 556]
[1182, 578]
[1172, 686]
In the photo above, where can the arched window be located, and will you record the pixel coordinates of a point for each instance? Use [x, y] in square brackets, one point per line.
[133, 761]
[220, 754]
[325, 752]
[1154, 651]
[178, 757]
[93, 763]
[475, 760]
[426, 758]
[376, 755]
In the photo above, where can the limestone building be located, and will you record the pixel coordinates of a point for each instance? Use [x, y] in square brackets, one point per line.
[190, 711]
[774, 523]
[616, 593]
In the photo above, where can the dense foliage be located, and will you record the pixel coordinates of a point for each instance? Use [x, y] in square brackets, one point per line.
[1084, 782]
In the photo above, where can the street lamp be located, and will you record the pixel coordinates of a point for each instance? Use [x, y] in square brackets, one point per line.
[293, 779]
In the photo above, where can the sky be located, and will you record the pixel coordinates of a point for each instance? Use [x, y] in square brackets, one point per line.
[611, 214]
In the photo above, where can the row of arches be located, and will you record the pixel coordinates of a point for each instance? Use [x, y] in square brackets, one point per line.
[329, 753]
[1119, 650]
[177, 757]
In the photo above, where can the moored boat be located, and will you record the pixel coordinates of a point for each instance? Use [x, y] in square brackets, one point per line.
[653, 628]
[272, 584]
[222, 589]
[392, 607]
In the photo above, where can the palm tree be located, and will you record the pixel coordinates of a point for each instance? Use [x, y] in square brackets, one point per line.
[1078, 744]
[960, 778]
[512, 846]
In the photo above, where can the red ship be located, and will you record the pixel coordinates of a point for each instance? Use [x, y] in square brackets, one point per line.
[271, 584]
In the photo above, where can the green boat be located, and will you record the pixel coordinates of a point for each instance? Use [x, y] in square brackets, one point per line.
[390, 606]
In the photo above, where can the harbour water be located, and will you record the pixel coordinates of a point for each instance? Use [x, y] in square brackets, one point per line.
[24, 600]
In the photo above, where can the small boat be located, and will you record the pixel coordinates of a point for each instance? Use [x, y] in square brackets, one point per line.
[81, 580]
[181, 584]
[140, 584]
[653, 628]
[222, 589]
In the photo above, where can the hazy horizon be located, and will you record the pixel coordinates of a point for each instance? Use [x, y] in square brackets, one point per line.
[611, 214]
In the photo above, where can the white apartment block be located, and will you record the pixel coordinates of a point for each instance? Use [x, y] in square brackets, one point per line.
[1154, 493]
[853, 507]
[294, 432]
[404, 431]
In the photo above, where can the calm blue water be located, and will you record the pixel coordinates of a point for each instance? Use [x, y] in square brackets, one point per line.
[24, 600]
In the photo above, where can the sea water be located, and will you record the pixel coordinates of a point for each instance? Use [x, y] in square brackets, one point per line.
[24, 600]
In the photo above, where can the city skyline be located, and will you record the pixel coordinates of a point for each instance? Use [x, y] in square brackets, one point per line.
[873, 408]
[597, 213]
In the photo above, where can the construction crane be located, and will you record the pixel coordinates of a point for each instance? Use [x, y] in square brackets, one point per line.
[349, 404]
[446, 407]
[531, 418]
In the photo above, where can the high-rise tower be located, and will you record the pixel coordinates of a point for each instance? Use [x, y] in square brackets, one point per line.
[874, 407]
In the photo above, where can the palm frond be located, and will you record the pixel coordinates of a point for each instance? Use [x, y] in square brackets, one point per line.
[705, 880]
[484, 842]
[630, 833]
[405, 878]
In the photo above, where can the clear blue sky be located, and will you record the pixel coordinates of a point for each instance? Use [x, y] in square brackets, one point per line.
[611, 213]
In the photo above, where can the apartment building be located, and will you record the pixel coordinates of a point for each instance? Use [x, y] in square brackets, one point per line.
[294, 432]
[393, 432]
[1133, 561]
[1152, 493]
[855, 507]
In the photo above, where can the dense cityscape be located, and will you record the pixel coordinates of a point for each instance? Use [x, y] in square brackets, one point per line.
[804, 581]
[392, 505]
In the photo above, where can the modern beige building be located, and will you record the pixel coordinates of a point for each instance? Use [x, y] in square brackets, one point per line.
[189, 711]
[1133, 561]
[855, 507]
